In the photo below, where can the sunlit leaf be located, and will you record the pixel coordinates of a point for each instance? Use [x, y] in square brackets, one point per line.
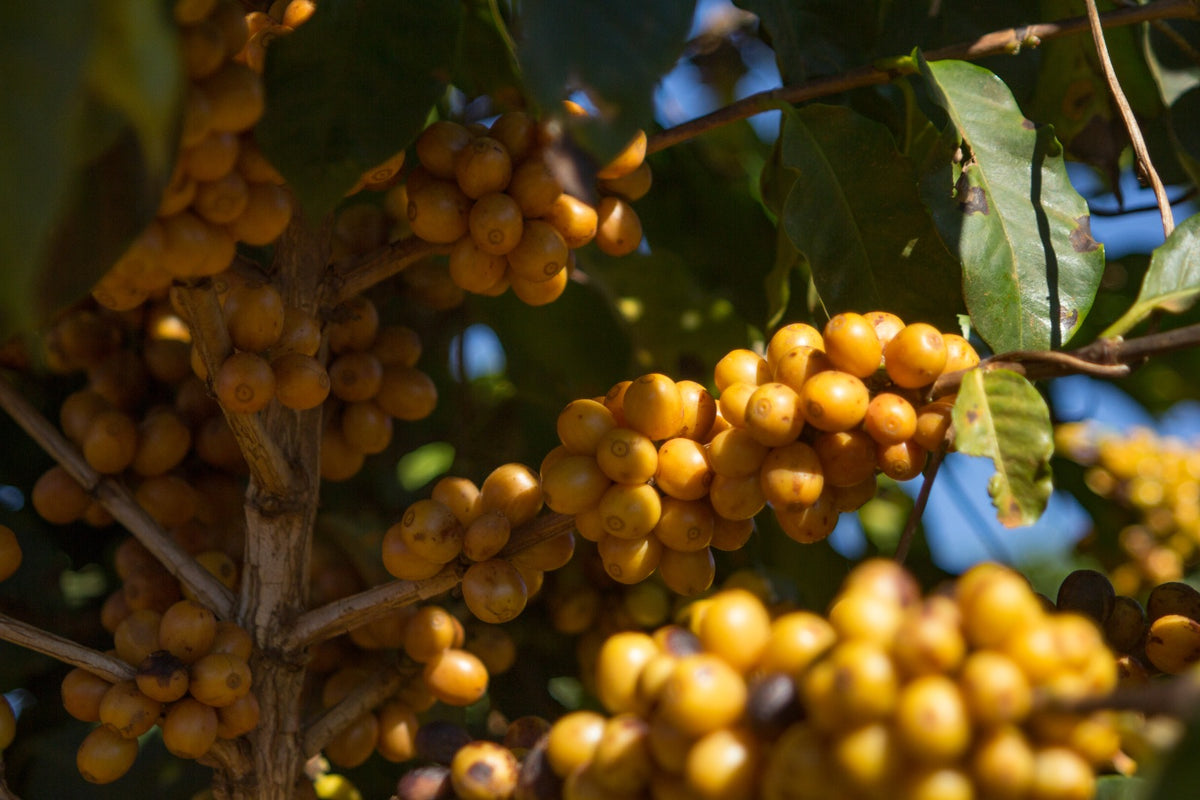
[1173, 280]
[351, 87]
[1000, 415]
[855, 213]
[419, 466]
[1030, 265]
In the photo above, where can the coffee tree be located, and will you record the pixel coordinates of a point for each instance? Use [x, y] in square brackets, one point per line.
[402, 400]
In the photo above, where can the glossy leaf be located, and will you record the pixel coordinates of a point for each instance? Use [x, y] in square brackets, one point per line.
[999, 414]
[351, 87]
[616, 51]
[855, 213]
[1030, 265]
[1173, 280]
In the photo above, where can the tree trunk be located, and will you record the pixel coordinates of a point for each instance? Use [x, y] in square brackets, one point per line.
[274, 582]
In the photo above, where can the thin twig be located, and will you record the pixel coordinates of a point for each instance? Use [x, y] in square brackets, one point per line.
[1145, 166]
[119, 502]
[918, 509]
[34, 638]
[1103, 358]
[1175, 696]
[350, 612]
[344, 281]
[1011, 40]
[270, 469]
[382, 684]
[358, 609]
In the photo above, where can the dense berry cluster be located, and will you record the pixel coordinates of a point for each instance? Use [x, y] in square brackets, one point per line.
[193, 681]
[889, 695]
[492, 195]
[1155, 477]
[223, 191]
[463, 521]
[454, 668]
[1161, 637]
[658, 472]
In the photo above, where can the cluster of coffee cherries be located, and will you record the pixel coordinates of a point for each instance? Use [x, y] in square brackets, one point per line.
[371, 376]
[454, 668]
[492, 195]
[193, 681]
[889, 695]
[474, 523]
[222, 191]
[455, 764]
[1158, 479]
[144, 417]
[658, 472]
[1161, 637]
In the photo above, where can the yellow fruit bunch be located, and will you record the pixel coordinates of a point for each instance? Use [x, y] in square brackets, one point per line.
[1156, 478]
[657, 472]
[462, 521]
[888, 695]
[1161, 637]
[222, 191]
[193, 681]
[493, 196]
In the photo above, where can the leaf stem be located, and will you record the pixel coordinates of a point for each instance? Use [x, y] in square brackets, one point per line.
[358, 609]
[1007, 41]
[34, 638]
[268, 466]
[1145, 166]
[382, 684]
[345, 280]
[918, 510]
[1103, 358]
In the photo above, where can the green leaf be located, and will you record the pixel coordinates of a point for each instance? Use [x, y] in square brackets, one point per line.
[1119, 787]
[85, 242]
[1071, 93]
[999, 414]
[1180, 775]
[813, 37]
[686, 201]
[487, 61]
[135, 68]
[90, 105]
[682, 326]
[420, 466]
[855, 213]
[1030, 265]
[1171, 283]
[351, 87]
[616, 51]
